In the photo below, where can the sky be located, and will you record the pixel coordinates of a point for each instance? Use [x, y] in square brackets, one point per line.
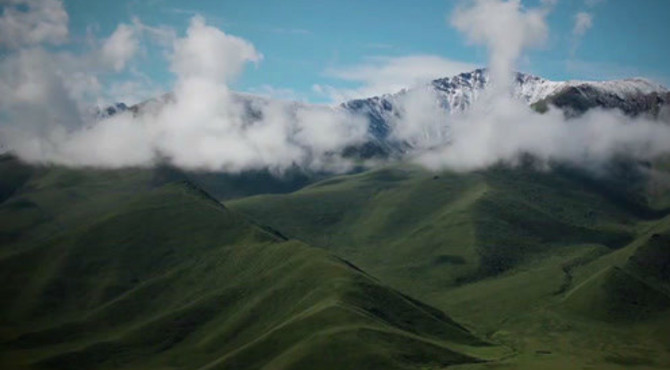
[328, 51]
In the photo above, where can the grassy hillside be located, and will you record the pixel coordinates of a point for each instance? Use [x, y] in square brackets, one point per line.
[140, 269]
[225, 186]
[403, 223]
[540, 261]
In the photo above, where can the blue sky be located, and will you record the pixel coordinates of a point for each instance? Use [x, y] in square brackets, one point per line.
[311, 44]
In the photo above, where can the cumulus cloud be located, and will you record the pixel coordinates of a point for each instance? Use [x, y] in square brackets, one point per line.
[383, 75]
[420, 121]
[207, 52]
[505, 28]
[203, 125]
[41, 88]
[32, 91]
[32, 22]
[120, 47]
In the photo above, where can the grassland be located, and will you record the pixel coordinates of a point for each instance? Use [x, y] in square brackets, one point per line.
[393, 268]
[141, 269]
[567, 268]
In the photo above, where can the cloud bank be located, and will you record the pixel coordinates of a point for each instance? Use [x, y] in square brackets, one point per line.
[204, 125]
[33, 22]
[506, 130]
[46, 93]
[498, 128]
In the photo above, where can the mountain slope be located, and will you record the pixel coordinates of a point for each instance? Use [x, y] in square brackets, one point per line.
[515, 253]
[141, 269]
[403, 222]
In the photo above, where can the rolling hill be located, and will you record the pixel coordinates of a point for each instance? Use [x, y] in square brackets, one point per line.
[141, 269]
[564, 266]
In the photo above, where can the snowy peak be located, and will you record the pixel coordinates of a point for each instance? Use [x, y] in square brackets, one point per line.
[456, 94]
[532, 88]
[633, 97]
[622, 88]
[462, 89]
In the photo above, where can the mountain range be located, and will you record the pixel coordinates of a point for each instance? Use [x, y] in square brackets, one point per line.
[457, 94]
[635, 96]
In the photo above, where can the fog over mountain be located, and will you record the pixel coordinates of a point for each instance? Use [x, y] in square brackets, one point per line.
[462, 122]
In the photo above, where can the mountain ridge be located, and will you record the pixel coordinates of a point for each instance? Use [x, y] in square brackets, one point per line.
[457, 93]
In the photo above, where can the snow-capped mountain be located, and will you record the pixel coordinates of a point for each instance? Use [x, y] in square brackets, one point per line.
[457, 93]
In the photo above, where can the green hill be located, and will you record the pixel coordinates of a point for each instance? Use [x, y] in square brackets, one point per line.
[402, 223]
[537, 260]
[141, 269]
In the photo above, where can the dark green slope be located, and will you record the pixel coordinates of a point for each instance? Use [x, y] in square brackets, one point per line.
[140, 269]
[541, 261]
[403, 223]
[226, 186]
[634, 291]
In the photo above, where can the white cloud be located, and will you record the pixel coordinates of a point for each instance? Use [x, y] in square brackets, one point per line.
[205, 126]
[383, 75]
[120, 47]
[33, 92]
[505, 28]
[499, 128]
[583, 21]
[420, 121]
[41, 87]
[44, 21]
[208, 52]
